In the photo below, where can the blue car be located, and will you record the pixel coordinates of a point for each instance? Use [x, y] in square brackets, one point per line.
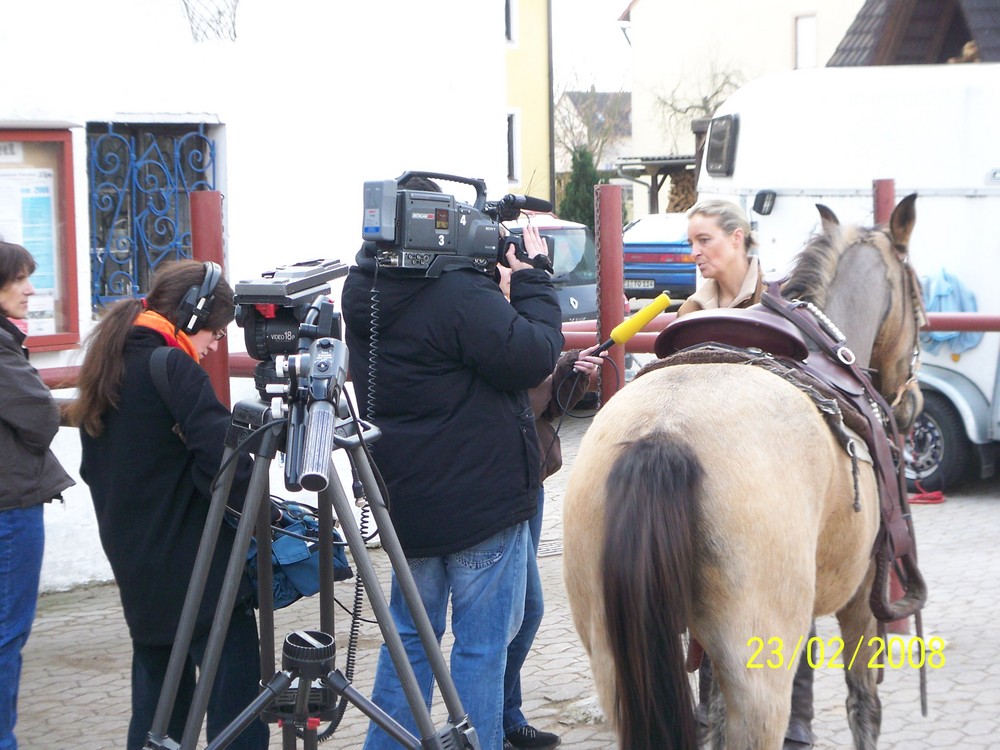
[658, 257]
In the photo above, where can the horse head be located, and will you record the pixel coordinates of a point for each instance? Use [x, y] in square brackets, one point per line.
[862, 279]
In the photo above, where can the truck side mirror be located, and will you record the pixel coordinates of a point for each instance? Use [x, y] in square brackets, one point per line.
[763, 202]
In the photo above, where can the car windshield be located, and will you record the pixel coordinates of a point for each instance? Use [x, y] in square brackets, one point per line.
[573, 254]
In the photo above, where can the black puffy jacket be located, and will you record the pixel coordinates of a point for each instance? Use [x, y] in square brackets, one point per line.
[451, 360]
[152, 489]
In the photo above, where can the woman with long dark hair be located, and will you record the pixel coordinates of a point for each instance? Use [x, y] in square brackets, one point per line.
[149, 464]
[29, 477]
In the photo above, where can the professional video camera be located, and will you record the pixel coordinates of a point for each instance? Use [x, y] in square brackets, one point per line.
[432, 232]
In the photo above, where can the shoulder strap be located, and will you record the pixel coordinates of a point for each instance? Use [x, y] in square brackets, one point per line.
[161, 381]
[158, 371]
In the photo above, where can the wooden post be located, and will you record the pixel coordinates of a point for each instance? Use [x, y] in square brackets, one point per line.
[610, 282]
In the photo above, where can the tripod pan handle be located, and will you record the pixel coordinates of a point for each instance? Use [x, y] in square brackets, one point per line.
[318, 445]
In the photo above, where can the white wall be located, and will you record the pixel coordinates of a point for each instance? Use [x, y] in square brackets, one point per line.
[314, 98]
[676, 47]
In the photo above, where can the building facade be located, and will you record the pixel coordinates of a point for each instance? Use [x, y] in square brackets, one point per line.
[688, 57]
[114, 111]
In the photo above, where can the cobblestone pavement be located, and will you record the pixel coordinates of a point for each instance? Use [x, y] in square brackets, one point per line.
[75, 683]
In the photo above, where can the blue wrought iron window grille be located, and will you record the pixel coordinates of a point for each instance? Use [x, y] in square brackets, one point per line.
[140, 178]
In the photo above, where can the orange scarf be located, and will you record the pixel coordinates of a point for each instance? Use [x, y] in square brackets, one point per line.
[150, 319]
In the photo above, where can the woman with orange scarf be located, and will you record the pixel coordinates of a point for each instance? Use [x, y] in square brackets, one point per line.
[150, 463]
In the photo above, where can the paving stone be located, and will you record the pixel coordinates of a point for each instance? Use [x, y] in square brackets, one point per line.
[75, 681]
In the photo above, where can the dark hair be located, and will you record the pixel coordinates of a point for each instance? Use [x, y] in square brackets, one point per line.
[416, 182]
[172, 282]
[103, 367]
[14, 260]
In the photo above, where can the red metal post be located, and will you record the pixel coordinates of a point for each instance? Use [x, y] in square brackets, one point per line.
[206, 245]
[610, 282]
[884, 198]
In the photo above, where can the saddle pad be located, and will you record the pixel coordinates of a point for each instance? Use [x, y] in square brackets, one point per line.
[709, 354]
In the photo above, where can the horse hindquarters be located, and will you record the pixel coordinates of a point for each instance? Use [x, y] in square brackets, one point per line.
[647, 581]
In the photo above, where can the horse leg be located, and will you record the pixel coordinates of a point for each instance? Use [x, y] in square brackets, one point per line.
[756, 702]
[756, 686]
[859, 630]
[581, 574]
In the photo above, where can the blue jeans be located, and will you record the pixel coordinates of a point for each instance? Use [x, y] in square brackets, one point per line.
[486, 584]
[517, 651]
[22, 541]
[237, 684]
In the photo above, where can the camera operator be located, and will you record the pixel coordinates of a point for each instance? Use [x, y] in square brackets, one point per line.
[442, 366]
[149, 466]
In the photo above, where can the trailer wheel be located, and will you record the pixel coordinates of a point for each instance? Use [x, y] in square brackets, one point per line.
[937, 452]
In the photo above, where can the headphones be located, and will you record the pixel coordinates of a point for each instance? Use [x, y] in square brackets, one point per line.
[193, 310]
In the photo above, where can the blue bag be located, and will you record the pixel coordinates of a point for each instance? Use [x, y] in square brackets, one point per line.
[295, 560]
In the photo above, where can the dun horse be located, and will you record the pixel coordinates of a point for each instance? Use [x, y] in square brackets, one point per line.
[714, 500]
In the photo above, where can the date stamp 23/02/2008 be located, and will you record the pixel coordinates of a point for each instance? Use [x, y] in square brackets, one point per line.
[893, 652]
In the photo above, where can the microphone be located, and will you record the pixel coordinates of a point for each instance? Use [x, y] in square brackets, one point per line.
[510, 206]
[632, 325]
[526, 203]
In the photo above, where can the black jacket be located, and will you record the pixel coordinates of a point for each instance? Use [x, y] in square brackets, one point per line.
[29, 420]
[453, 360]
[151, 489]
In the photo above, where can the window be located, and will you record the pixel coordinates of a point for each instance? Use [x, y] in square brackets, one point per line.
[140, 178]
[806, 53]
[512, 170]
[37, 211]
[510, 20]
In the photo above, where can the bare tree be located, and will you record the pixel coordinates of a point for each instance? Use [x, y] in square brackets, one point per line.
[681, 111]
[590, 120]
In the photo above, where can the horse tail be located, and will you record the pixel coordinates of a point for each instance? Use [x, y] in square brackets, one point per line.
[650, 519]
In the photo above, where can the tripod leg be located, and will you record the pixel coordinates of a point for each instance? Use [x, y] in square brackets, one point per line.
[278, 684]
[192, 601]
[390, 543]
[326, 575]
[265, 590]
[334, 494]
[404, 578]
[339, 684]
[227, 597]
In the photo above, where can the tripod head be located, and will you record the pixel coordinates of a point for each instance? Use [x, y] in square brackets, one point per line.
[290, 324]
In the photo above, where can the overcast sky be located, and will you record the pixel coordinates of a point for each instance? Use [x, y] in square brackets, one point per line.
[588, 46]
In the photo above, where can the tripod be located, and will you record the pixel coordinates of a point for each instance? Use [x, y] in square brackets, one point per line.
[307, 685]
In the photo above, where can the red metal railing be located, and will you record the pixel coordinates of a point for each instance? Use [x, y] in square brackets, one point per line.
[579, 335]
[207, 235]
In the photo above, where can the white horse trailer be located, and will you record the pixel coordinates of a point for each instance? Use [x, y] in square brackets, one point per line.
[785, 142]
